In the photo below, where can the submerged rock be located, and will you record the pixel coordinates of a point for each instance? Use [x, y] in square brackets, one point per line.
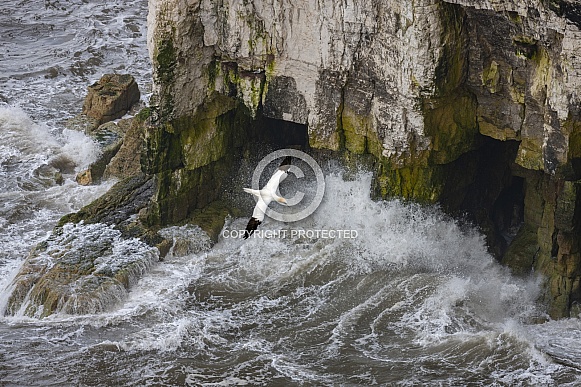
[186, 240]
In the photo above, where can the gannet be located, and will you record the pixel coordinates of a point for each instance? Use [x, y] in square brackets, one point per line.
[266, 195]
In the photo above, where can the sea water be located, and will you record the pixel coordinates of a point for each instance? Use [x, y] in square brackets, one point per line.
[410, 297]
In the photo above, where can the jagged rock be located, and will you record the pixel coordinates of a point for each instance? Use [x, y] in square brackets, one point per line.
[111, 97]
[123, 200]
[186, 240]
[108, 99]
[85, 177]
[127, 161]
[121, 146]
[80, 269]
[109, 137]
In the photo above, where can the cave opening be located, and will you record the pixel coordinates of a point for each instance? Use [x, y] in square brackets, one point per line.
[492, 194]
[508, 209]
[278, 134]
[261, 136]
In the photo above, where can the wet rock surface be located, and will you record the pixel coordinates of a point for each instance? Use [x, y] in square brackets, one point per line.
[111, 97]
[467, 103]
[80, 269]
[92, 256]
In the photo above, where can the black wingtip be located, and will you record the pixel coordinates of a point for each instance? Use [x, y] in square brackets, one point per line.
[286, 161]
[285, 165]
[251, 226]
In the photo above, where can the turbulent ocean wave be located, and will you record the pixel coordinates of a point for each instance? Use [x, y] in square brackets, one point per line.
[414, 299]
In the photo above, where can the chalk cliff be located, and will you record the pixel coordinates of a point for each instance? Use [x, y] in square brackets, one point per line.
[470, 103]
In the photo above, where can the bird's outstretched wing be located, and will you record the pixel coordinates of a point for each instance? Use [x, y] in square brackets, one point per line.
[278, 176]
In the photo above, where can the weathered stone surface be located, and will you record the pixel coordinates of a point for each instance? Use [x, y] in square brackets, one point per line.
[186, 240]
[284, 102]
[294, 48]
[85, 177]
[124, 199]
[80, 269]
[82, 123]
[109, 137]
[471, 103]
[127, 160]
[121, 145]
[111, 97]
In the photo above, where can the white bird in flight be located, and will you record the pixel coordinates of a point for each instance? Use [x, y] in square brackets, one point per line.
[267, 195]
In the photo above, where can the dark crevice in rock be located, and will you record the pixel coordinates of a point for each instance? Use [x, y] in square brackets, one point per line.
[480, 187]
[569, 9]
[281, 134]
[508, 209]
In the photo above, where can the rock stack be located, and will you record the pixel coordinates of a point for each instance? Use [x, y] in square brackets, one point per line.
[109, 99]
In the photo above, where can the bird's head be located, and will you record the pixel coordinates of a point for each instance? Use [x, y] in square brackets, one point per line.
[282, 201]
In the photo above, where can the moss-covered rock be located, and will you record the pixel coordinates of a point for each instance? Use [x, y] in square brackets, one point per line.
[211, 218]
[523, 251]
[480, 110]
[207, 136]
[451, 124]
[356, 127]
[192, 157]
[115, 207]
[530, 154]
[418, 183]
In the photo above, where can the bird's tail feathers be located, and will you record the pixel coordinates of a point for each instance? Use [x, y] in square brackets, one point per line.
[254, 192]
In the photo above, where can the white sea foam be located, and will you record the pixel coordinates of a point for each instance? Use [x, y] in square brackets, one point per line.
[79, 148]
[31, 199]
[414, 293]
[54, 51]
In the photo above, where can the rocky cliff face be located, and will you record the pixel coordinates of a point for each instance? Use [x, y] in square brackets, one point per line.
[469, 103]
